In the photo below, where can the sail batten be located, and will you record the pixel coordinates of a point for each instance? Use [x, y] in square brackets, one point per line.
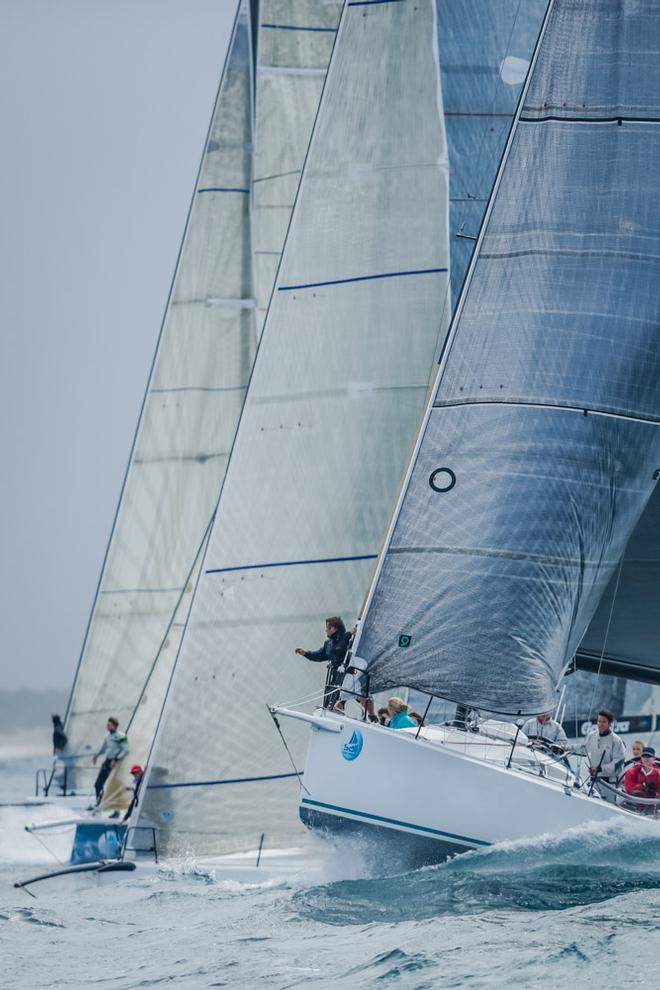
[540, 447]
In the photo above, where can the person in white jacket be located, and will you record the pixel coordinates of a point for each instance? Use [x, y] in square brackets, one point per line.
[606, 753]
[544, 729]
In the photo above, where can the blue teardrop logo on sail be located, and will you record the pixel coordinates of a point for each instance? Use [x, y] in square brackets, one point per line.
[352, 749]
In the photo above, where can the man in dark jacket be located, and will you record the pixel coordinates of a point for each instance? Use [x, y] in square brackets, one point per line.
[59, 735]
[333, 653]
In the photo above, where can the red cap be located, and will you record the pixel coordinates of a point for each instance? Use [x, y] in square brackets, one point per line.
[136, 769]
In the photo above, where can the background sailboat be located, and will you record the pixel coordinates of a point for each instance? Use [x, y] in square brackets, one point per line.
[184, 435]
[359, 309]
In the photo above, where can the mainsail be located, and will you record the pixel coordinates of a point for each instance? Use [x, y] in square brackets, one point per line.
[540, 447]
[185, 433]
[357, 315]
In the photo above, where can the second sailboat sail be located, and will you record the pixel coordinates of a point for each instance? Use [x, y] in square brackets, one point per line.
[359, 310]
[191, 408]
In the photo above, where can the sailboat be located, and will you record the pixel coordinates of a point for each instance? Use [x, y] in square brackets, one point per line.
[513, 553]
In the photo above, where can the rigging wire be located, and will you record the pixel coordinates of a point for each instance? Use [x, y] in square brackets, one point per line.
[297, 772]
[607, 632]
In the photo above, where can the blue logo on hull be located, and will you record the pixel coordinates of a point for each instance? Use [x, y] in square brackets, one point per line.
[352, 749]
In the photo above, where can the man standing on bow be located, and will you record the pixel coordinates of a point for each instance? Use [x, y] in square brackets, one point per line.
[333, 652]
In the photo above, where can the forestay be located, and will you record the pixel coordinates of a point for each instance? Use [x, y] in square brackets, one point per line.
[540, 448]
[294, 44]
[190, 412]
[338, 386]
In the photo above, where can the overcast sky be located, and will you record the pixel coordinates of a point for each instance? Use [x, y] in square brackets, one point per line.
[104, 105]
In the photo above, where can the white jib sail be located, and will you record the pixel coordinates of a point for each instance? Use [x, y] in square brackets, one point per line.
[187, 426]
[358, 313]
[294, 44]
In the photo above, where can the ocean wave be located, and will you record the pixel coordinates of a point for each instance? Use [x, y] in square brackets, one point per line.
[582, 866]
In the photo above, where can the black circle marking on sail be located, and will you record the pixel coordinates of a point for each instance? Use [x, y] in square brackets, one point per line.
[449, 478]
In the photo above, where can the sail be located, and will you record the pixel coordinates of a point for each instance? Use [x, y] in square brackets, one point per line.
[294, 44]
[623, 637]
[181, 449]
[540, 446]
[338, 386]
[484, 53]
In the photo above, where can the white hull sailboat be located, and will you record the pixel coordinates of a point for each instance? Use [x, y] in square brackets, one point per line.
[444, 791]
[513, 554]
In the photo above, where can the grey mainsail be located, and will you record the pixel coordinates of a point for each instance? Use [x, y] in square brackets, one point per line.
[484, 53]
[540, 447]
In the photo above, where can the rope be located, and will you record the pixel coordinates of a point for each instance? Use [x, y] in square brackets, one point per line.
[288, 751]
[49, 851]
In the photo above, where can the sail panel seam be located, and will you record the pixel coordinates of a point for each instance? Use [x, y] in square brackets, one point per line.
[361, 278]
[215, 783]
[291, 563]
[222, 189]
[537, 558]
[616, 119]
[521, 403]
[298, 27]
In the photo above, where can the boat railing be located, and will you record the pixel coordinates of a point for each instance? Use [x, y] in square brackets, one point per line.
[130, 835]
[632, 802]
[64, 778]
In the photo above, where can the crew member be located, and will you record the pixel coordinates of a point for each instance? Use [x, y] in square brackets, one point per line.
[333, 653]
[643, 778]
[545, 730]
[137, 773]
[606, 753]
[115, 748]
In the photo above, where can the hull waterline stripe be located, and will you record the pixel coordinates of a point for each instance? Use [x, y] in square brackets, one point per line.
[395, 821]
[214, 783]
[291, 563]
[361, 278]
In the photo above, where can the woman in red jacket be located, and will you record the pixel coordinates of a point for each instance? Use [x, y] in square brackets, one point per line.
[643, 778]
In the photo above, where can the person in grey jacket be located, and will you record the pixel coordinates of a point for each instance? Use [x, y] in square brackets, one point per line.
[606, 753]
[115, 748]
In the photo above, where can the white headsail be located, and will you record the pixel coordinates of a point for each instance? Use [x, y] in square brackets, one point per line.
[359, 311]
[185, 433]
[294, 43]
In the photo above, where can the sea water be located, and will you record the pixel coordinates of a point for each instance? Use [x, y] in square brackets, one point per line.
[579, 910]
